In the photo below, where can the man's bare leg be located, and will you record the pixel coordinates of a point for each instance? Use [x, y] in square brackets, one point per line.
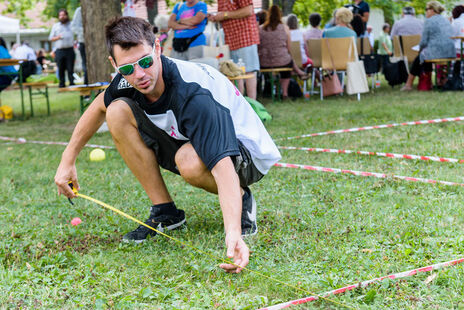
[251, 86]
[138, 157]
[193, 170]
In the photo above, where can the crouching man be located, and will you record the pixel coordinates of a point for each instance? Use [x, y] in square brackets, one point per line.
[185, 117]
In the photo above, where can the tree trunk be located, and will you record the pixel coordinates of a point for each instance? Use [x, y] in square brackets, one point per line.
[287, 7]
[152, 10]
[95, 15]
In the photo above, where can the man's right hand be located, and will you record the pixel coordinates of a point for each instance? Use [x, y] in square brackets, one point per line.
[64, 174]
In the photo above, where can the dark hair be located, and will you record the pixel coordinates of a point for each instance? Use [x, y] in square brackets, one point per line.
[409, 10]
[315, 19]
[63, 10]
[385, 26]
[3, 43]
[357, 24]
[67, 14]
[261, 16]
[128, 32]
[274, 18]
[457, 11]
[292, 21]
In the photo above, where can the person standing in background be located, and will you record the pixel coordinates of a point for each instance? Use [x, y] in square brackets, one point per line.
[62, 38]
[385, 49]
[241, 33]
[78, 29]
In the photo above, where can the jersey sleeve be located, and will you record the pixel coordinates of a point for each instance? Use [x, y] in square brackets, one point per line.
[109, 95]
[202, 8]
[119, 87]
[210, 129]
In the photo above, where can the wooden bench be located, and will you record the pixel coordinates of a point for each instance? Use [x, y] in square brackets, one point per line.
[235, 79]
[87, 93]
[37, 88]
[274, 72]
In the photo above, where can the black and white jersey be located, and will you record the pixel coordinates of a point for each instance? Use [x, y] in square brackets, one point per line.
[202, 106]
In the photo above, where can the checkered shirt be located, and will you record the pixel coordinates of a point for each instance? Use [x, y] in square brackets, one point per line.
[241, 32]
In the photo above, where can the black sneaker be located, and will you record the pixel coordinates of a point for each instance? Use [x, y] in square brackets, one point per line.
[158, 221]
[249, 226]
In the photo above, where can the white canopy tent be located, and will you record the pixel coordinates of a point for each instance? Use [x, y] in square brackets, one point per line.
[9, 25]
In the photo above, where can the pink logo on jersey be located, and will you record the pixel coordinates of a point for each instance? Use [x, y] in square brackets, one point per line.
[237, 92]
[187, 14]
[173, 134]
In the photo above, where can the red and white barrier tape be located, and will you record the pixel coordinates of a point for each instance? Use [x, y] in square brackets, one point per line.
[391, 155]
[331, 132]
[366, 283]
[366, 174]
[22, 140]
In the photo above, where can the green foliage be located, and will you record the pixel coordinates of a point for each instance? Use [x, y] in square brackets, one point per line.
[19, 7]
[53, 6]
[303, 8]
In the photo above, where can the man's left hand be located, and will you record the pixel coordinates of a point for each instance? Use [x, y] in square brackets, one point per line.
[219, 17]
[238, 250]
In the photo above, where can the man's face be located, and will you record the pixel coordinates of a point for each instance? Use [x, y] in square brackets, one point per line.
[144, 80]
[63, 17]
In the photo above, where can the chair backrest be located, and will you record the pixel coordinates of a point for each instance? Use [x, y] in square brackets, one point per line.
[408, 43]
[366, 46]
[314, 51]
[295, 51]
[341, 50]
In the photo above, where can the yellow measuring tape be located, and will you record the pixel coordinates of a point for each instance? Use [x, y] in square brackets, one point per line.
[201, 251]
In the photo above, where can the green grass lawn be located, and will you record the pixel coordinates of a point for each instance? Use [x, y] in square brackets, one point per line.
[317, 230]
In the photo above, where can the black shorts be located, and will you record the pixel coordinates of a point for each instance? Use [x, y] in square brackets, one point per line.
[165, 147]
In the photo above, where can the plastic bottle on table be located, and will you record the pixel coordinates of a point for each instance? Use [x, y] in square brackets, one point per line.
[241, 65]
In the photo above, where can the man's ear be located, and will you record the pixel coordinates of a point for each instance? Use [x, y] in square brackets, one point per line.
[113, 63]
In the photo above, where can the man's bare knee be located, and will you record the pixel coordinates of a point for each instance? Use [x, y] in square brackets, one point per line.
[118, 114]
[190, 166]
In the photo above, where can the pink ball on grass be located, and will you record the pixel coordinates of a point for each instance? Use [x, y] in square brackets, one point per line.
[76, 221]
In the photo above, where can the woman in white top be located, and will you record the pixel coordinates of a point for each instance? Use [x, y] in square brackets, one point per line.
[297, 35]
[458, 26]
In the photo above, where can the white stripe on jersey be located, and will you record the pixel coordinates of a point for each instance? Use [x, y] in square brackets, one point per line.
[248, 127]
[168, 123]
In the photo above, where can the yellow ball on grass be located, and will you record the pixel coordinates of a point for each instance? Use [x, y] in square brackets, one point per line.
[97, 155]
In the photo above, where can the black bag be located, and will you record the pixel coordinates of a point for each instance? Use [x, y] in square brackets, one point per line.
[28, 68]
[396, 73]
[371, 61]
[182, 44]
[294, 90]
[455, 82]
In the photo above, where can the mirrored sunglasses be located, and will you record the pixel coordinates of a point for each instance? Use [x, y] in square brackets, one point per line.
[144, 63]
